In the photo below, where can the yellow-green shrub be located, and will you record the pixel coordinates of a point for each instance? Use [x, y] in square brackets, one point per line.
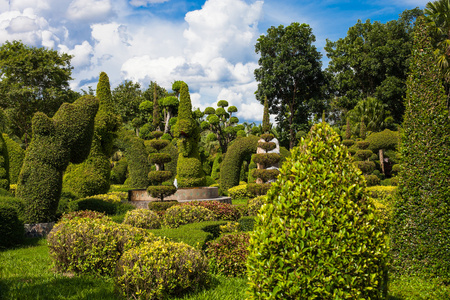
[84, 245]
[142, 218]
[238, 192]
[185, 214]
[161, 268]
[254, 205]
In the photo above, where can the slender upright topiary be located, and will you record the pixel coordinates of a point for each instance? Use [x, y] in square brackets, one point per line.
[316, 236]
[156, 117]
[266, 119]
[421, 227]
[56, 141]
[92, 176]
[16, 155]
[160, 186]
[189, 167]
[4, 165]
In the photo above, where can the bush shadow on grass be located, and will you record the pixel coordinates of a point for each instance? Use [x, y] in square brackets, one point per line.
[57, 288]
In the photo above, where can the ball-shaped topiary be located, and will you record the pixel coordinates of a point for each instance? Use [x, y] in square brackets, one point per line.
[142, 218]
[316, 236]
[11, 228]
[161, 268]
[185, 214]
[85, 245]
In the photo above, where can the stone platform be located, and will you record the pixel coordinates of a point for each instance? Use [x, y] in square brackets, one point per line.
[140, 198]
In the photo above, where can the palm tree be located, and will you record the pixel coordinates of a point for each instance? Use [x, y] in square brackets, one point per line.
[372, 112]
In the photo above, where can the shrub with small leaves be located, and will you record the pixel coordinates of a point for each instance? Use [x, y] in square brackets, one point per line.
[230, 227]
[267, 159]
[267, 137]
[161, 205]
[372, 180]
[348, 143]
[89, 214]
[238, 192]
[185, 214]
[142, 218]
[222, 211]
[256, 189]
[11, 228]
[254, 205]
[94, 246]
[265, 174]
[228, 254]
[161, 268]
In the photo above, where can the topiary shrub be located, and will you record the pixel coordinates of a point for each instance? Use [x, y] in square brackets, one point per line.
[258, 189]
[363, 145]
[162, 268]
[89, 214]
[137, 158]
[215, 172]
[185, 214]
[363, 154]
[92, 177]
[11, 228]
[84, 245]
[267, 159]
[240, 150]
[421, 227]
[222, 211]
[316, 219]
[189, 167]
[159, 206]
[372, 180]
[238, 192]
[266, 174]
[246, 223]
[365, 166]
[119, 172]
[386, 140]
[56, 141]
[17, 203]
[4, 165]
[142, 218]
[16, 155]
[228, 254]
[348, 143]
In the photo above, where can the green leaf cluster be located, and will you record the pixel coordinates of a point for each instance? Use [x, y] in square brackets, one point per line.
[16, 155]
[317, 235]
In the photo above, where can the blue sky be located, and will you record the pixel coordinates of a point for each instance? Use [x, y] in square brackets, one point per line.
[209, 44]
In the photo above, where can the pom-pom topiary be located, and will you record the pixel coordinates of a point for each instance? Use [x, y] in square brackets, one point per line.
[161, 268]
[56, 141]
[84, 245]
[142, 218]
[386, 140]
[316, 220]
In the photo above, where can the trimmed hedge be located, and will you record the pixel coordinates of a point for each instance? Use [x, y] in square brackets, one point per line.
[421, 227]
[137, 158]
[240, 150]
[222, 211]
[386, 140]
[238, 192]
[11, 228]
[56, 142]
[119, 171]
[16, 155]
[265, 175]
[142, 218]
[185, 214]
[4, 165]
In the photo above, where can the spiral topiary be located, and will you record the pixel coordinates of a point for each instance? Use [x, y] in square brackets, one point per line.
[316, 236]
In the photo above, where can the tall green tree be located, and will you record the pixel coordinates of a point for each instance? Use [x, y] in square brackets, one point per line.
[289, 74]
[126, 98]
[31, 80]
[421, 227]
[372, 61]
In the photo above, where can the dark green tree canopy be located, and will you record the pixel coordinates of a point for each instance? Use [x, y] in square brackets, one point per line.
[289, 73]
[31, 80]
[372, 61]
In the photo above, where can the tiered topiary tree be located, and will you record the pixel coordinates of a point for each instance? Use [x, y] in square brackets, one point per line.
[363, 160]
[4, 165]
[92, 176]
[56, 142]
[160, 186]
[421, 227]
[16, 155]
[266, 159]
[316, 235]
[189, 166]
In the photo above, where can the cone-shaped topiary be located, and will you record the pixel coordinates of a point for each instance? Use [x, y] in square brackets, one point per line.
[266, 118]
[92, 176]
[421, 227]
[316, 236]
[189, 167]
[56, 141]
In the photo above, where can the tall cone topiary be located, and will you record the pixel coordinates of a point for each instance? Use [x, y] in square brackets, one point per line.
[189, 167]
[266, 118]
[92, 176]
[316, 236]
[421, 223]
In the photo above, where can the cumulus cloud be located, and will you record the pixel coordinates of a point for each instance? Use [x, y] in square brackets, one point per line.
[81, 54]
[89, 10]
[144, 3]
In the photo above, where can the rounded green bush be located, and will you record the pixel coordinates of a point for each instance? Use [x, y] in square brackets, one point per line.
[267, 159]
[221, 211]
[372, 180]
[265, 175]
[238, 192]
[365, 166]
[159, 158]
[386, 140]
[228, 254]
[267, 146]
[11, 228]
[254, 205]
[156, 177]
[257, 189]
[119, 171]
[395, 169]
[362, 145]
[158, 144]
[317, 236]
[94, 204]
[363, 154]
[84, 245]
[90, 214]
[178, 215]
[161, 191]
[142, 218]
[161, 268]
[267, 137]
[137, 158]
[348, 143]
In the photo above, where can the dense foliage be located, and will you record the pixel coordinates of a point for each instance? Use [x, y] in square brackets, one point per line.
[11, 228]
[317, 236]
[15, 155]
[421, 224]
[4, 164]
[56, 141]
[142, 218]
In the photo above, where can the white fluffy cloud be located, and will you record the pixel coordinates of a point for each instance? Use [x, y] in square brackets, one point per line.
[144, 3]
[89, 10]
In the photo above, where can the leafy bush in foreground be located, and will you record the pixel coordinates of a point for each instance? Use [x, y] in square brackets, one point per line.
[142, 218]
